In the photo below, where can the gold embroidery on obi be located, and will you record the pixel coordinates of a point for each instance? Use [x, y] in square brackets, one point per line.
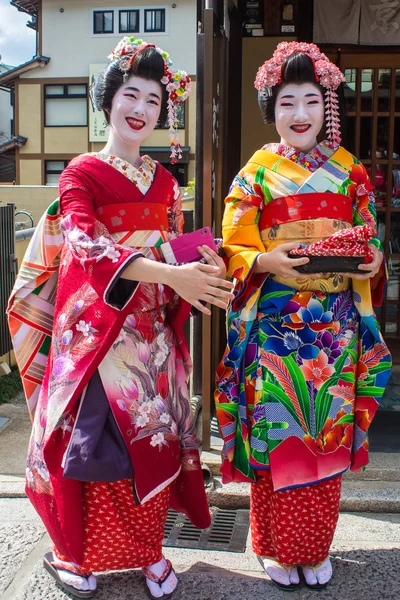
[307, 232]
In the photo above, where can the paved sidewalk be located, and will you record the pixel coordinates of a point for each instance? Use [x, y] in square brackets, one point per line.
[365, 554]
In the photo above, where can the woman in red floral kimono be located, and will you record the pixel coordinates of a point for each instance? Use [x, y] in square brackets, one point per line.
[96, 318]
[305, 365]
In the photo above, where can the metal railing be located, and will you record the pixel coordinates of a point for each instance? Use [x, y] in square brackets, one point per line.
[7, 270]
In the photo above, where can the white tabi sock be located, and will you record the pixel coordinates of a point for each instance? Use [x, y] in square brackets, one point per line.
[314, 574]
[169, 584]
[77, 581]
[279, 573]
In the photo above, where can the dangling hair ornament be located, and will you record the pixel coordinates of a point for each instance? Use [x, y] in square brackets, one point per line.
[177, 84]
[326, 74]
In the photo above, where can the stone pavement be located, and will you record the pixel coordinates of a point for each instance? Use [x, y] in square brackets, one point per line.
[365, 555]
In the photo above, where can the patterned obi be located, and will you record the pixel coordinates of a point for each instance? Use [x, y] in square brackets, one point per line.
[144, 227]
[140, 225]
[307, 218]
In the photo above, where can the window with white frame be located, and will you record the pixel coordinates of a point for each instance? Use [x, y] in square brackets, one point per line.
[53, 170]
[103, 21]
[66, 105]
[140, 20]
[129, 21]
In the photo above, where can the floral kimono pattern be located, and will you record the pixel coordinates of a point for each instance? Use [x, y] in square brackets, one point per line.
[305, 364]
[72, 316]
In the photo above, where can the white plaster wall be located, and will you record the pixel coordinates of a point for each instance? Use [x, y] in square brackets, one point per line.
[68, 41]
[5, 111]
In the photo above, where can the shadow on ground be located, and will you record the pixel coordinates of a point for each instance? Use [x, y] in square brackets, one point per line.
[358, 575]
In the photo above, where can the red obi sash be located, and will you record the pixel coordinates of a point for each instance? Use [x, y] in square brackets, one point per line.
[133, 217]
[300, 207]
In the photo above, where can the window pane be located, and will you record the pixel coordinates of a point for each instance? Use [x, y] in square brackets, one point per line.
[383, 136]
[108, 22]
[394, 280]
[149, 20]
[77, 89]
[350, 89]
[384, 77]
[396, 195]
[396, 139]
[365, 137]
[134, 21]
[66, 111]
[123, 21]
[52, 179]
[54, 90]
[155, 20]
[54, 165]
[367, 84]
[98, 22]
[380, 182]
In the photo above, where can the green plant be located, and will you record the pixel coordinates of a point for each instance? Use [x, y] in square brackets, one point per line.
[10, 386]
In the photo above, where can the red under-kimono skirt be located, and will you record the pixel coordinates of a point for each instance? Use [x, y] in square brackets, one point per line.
[296, 526]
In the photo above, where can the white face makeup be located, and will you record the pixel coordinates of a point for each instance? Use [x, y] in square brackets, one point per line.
[299, 115]
[135, 110]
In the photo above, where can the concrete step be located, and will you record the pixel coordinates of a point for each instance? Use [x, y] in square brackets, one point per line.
[383, 466]
[12, 486]
[357, 496]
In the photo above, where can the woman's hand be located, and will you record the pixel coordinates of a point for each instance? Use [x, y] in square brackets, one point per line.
[279, 263]
[196, 282]
[213, 259]
[370, 269]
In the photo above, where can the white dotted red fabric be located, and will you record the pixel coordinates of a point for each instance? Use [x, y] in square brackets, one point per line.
[346, 242]
[295, 526]
[120, 534]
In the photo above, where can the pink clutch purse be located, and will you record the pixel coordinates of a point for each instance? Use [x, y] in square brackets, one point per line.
[183, 249]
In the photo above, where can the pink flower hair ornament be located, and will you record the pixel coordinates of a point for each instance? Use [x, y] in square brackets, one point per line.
[327, 74]
[177, 84]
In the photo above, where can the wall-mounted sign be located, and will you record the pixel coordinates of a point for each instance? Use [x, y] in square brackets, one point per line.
[98, 129]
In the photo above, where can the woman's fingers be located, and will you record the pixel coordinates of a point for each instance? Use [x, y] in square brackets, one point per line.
[287, 246]
[217, 291]
[296, 262]
[206, 268]
[201, 307]
[220, 283]
[214, 300]
[210, 259]
[373, 266]
[209, 254]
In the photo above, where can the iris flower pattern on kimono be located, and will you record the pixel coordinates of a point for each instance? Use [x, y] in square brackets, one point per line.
[305, 364]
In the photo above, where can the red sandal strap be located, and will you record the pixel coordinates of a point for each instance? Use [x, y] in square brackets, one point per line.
[155, 578]
[65, 566]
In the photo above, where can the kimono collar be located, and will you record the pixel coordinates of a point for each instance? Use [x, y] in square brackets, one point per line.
[312, 160]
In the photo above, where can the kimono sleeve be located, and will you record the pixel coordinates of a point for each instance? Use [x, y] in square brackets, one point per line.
[364, 212]
[242, 241]
[175, 215]
[87, 241]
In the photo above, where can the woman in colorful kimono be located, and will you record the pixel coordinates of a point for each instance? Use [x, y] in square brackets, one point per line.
[305, 365]
[96, 319]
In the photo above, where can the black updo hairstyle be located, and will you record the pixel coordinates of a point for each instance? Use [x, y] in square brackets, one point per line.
[298, 68]
[148, 64]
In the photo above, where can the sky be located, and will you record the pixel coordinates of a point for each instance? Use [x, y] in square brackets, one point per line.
[17, 42]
